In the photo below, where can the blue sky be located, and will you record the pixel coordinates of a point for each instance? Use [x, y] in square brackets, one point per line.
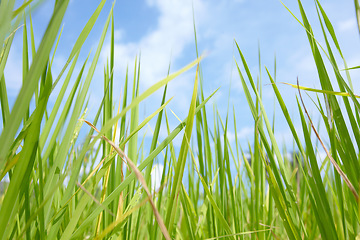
[163, 31]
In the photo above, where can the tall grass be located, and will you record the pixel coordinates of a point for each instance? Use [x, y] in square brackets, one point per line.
[108, 194]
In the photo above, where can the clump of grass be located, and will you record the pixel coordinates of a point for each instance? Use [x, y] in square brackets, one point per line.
[266, 196]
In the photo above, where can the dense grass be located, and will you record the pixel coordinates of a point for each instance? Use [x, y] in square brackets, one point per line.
[228, 195]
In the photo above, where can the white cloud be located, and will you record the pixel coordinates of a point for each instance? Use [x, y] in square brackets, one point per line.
[118, 34]
[156, 176]
[230, 136]
[245, 132]
[347, 25]
[174, 31]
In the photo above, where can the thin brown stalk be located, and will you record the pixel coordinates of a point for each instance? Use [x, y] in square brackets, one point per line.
[93, 198]
[140, 177]
[337, 167]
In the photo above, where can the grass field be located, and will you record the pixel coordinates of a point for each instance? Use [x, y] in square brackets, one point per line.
[62, 187]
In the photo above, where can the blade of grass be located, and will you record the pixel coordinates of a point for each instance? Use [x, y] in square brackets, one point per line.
[180, 165]
[28, 88]
[22, 170]
[143, 183]
[142, 165]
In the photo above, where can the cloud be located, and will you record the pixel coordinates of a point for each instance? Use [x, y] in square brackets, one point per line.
[348, 25]
[156, 176]
[245, 132]
[165, 43]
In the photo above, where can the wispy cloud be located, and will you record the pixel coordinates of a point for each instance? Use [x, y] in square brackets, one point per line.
[165, 43]
[347, 25]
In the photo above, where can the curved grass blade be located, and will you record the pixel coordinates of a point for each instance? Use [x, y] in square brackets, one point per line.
[143, 183]
[142, 165]
[343, 94]
[180, 165]
[26, 161]
[28, 88]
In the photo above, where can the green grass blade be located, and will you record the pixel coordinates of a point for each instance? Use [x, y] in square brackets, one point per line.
[81, 39]
[142, 165]
[28, 88]
[26, 161]
[180, 165]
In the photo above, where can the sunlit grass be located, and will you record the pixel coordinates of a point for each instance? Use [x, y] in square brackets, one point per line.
[62, 187]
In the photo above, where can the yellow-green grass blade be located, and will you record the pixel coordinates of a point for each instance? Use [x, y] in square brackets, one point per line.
[144, 122]
[25, 62]
[343, 94]
[156, 134]
[275, 149]
[112, 176]
[141, 126]
[73, 177]
[320, 65]
[81, 39]
[336, 146]
[292, 230]
[141, 179]
[61, 157]
[291, 126]
[286, 114]
[254, 113]
[351, 167]
[64, 111]
[20, 106]
[40, 207]
[26, 161]
[122, 134]
[267, 123]
[357, 9]
[189, 212]
[5, 110]
[104, 217]
[114, 195]
[202, 122]
[56, 45]
[166, 176]
[322, 209]
[62, 209]
[204, 208]
[9, 34]
[228, 168]
[222, 186]
[339, 197]
[146, 94]
[331, 30]
[132, 146]
[152, 147]
[341, 82]
[33, 51]
[6, 8]
[217, 211]
[99, 176]
[83, 201]
[21, 9]
[350, 68]
[4, 53]
[180, 165]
